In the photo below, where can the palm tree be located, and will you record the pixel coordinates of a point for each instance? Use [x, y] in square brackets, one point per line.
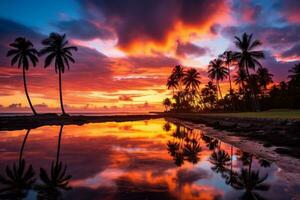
[56, 48]
[227, 59]
[247, 57]
[23, 53]
[178, 73]
[240, 78]
[167, 103]
[191, 79]
[19, 179]
[264, 78]
[295, 73]
[172, 83]
[217, 71]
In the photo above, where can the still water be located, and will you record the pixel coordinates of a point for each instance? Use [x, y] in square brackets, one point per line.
[150, 159]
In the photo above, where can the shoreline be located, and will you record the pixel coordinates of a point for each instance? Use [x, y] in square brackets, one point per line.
[290, 166]
[280, 133]
[10, 123]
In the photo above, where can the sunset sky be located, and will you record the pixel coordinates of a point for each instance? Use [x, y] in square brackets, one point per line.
[127, 48]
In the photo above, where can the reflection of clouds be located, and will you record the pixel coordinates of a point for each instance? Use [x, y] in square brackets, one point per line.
[109, 159]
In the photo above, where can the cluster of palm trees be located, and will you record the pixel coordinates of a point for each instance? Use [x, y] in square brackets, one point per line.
[250, 77]
[186, 146]
[20, 178]
[55, 48]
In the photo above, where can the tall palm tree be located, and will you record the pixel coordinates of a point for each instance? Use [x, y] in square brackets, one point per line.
[172, 83]
[247, 57]
[191, 79]
[217, 71]
[227, 59]
[57, 50]
[23, 53]
[178, 73]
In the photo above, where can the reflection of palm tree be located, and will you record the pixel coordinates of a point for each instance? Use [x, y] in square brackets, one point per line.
[191, 151]
[251, 182]
[211, 143]
[24, 53]
[220, 160]
[19, 179]
[264, 163]
[167, 127]
[56, 180]
[56, 48]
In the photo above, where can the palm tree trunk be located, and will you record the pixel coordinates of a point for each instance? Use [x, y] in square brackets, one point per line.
[26, 92]
[58, 145]
[60, 92]
[23, 145]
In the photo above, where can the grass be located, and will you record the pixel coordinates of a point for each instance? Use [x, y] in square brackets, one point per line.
[274, 114]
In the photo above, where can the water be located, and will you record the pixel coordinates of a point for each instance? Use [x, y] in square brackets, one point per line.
[149, 159]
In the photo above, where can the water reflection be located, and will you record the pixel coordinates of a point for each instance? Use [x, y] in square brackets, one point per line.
[56, 180]
[151, 159]
[185, 146]
[18, 177]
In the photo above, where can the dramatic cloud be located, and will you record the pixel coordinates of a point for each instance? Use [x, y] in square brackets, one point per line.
[84, 29]
[190, 49]
[154, 21]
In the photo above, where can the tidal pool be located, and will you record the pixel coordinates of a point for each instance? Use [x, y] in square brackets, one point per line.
[151, 159]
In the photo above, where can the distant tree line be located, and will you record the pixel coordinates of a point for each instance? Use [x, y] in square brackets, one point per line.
[251, 78]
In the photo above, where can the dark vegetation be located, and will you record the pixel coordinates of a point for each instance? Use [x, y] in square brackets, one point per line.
[253, 81]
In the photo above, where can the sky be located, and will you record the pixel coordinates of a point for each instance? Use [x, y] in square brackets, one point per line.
[127, 49]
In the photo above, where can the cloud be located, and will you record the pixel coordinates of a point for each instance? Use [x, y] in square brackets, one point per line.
[186, 49]
[85, 29]
[141, 22]
[293, 52]
[125, 98]
[290, 10]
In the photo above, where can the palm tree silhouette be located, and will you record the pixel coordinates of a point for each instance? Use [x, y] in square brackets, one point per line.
[57, 179]
[220, 160]
[216, 70]
[247, 57]
[23, 53]
[264, 77]
[240, 78]
[191, 79]
[178, 73]
[227, 59]
[251, 182]
[56, 48]
[172, 83]
[167, 103]
[191, 151]
[295, 73]
[19, 179]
